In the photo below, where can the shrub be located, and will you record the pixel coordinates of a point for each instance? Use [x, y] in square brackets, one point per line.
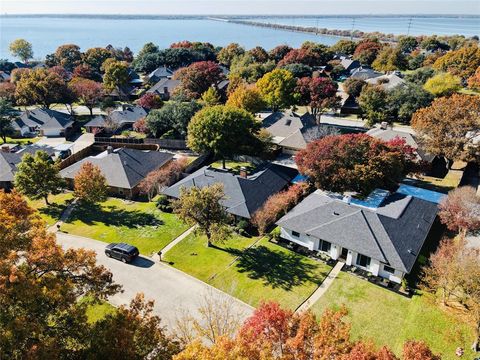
[278, 205]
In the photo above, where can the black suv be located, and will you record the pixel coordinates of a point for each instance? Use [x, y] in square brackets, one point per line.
[121, 251]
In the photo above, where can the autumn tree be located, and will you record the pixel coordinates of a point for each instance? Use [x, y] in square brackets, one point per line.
[443, 84]
[366, 51]
[449, 126]
[374, 104]
[462, 62]
[247, 98]
[299, 70]
[223, 131]
[201, 207]
[95, 57]
[7, 91]
[85, 71]
[418, 350]
[90, 184]
[420, 75]
[116, 75]
[150, 101]
[68, 56]
[227, 53]
[278, 53]
[7, 114]
[259, 54]
[199, 77]
[306, 56]
[460, 210]
[320, 94]
[474, 80]
[37, 177]
[390, 59]
[353, 162]
[21, 49]
[211, 97]
[407, 44]
[277, 88]
[278, 205]
[158, 179]
[88, 92]
[345, 47]
[40, 86]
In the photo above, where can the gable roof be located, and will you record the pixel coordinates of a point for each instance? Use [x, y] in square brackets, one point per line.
[160, 72]
[124, 168]
[129, 115]
[390, 134]
[159, 87]
[349, 64]
[286, 128]
[392, 233]
[364, 73]
[43, 119]
[243, 196]
[8, 165]
[387, 82]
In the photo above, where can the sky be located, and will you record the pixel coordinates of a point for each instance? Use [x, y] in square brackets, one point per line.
[267, 7]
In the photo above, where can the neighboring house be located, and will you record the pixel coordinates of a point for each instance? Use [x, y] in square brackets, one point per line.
[118, 119]
[164, 88]
[44, 122]
[387, 82]
[158, 74]
[4, 76]
[244, 194]
[288, 129]
[387, 134]
[349, 64]
[60, 151]
[382, 234]
[9, 148]
[8, 166]
[364, 73]
[348, 103]
[123, 168]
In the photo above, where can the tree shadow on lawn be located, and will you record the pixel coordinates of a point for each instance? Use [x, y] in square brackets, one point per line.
[113, 216]
[276, 268]
[53, 210]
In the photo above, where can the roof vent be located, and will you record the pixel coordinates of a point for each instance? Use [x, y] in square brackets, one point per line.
[288, 122]
[335, 213]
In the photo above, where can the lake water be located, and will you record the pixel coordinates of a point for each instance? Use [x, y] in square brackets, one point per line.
[47, 33]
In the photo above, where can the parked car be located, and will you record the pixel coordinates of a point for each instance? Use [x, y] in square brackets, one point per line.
[121, 251]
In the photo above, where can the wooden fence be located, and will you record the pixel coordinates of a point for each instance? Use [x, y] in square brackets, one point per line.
[172, 144]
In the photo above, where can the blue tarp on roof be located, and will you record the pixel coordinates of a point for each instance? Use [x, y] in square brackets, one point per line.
[424, 194]
[373, 200]
[299, 178]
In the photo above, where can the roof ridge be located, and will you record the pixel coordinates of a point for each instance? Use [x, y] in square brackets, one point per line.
[332, 221]
[373, 234]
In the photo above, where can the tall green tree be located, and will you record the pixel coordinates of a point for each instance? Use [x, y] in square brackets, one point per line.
[7, 114]
[37, 177]
[390, 59]
[201, 207]
[172, 118]
[277, 88]
[22, 49]
[116, 75]
[443, 84]
[403, 101]
[223, 131]
[374, 105]
[68, 56]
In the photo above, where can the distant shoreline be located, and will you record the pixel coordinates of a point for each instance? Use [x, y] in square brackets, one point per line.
[239, 17]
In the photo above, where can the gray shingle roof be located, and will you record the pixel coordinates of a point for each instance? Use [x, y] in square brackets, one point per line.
[394, 233]
[160, 73]
[124, 168]
[8, 165]
[286, 128]
[44, 119]
[121, 117]
[243, 195]
[364, 73]
[387, 82]
[159, 87]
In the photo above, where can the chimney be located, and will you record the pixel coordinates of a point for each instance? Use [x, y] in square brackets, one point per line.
[5, 149]
[384, 125]
[165, 90]
[243, 172]
[109, 149]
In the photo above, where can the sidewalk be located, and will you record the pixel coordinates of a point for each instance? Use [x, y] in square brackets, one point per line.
[174, 242]
[322, 288]
[64, 217]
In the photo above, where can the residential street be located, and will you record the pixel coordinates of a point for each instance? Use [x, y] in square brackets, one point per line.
[170, 288]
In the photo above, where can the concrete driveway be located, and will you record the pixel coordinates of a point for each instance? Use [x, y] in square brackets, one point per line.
[172, 290]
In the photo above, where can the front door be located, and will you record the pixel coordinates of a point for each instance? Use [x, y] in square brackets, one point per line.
[344, 254]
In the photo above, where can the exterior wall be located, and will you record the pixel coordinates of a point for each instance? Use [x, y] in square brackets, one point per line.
[376, 267]
[309, 242]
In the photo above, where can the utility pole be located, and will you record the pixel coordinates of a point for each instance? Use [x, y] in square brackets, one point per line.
[409, 26]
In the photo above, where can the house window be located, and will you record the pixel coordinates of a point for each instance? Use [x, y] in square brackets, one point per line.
[363, 261]
[325, 246]
[389, 269]
[295, 234]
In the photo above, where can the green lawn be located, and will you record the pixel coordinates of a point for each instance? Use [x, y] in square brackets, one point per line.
[138, 223]
[234, 166]
[265, 271]
[51, 213]
[22, 141]
[390, 319]
[99, 311]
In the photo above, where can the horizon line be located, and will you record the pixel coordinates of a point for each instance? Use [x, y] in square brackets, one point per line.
[258, 14]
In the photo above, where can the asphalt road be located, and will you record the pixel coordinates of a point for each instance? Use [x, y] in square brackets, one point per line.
[172, 290]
